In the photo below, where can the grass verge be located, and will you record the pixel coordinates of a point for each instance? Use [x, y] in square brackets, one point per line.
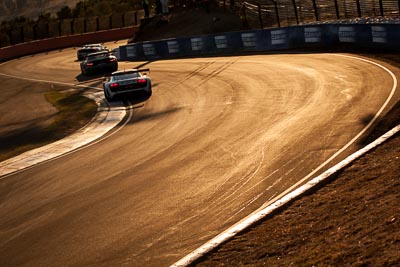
[74, 112]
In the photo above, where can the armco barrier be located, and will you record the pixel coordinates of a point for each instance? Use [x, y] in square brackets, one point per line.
[10, 52]
[319, 35]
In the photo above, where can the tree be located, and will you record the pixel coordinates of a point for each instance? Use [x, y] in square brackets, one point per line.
[44, 17]
[79, 10]
[64, 13]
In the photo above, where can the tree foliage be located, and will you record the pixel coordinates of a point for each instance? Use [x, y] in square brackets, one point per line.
[87, 8]
[64, 13]
[83, 9]
[90, 8]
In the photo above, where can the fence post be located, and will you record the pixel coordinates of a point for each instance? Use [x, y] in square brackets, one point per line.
[277, 13]
[72, 27]
[35, 32]
[97, 24]
[60, 28]
[136, 21]
[295, 11]
[358, 8]
[381, 7]
[22, 34]
[48, 30]
[337, 9]
[315, 10]
[10, 37]
[259, 15]
[398, 6]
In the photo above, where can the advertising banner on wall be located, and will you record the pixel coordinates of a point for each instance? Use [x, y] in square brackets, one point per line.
[312, 34]
[173, 47]
[221, 41]
[347, 34]
[379, 34]
[327, 35]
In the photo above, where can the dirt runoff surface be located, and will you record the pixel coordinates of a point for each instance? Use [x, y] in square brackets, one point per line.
[353, 220]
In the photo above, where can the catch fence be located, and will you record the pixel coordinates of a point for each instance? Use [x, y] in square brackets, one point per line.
[281, 13]
[258, 13]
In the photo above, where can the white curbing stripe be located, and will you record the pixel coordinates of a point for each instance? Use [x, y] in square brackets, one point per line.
[257, 216]
[105, 120]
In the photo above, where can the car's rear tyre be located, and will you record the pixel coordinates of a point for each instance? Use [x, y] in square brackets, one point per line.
[82, 71]
[150, 92]
[108, 98]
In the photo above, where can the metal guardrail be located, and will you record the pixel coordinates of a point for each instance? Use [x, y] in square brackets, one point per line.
[281, 13]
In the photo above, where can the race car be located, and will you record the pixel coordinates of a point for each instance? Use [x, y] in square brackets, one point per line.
[123, 82]
[99, 62]
[90, 48]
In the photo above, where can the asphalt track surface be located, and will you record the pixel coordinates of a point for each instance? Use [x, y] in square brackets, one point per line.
[219, 138]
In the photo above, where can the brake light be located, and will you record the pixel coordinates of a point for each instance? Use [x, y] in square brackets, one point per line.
[89, 64]
[114, 85]
[141, 81]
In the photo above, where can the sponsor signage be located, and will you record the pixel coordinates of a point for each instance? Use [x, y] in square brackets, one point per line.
[131, 51]
[278, 37]
[149, 49]
[379, 34]
[267, 39]
[347, 34]
[249, 39]
[221, 41]
[197, 44]
[173, 47]
[312, 35]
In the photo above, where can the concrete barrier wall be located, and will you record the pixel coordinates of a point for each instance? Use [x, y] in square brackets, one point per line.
[316, 36]
[15, 51]
[324, 35]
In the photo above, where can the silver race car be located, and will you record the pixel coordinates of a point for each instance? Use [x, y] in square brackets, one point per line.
[123, 82]
[90, 48]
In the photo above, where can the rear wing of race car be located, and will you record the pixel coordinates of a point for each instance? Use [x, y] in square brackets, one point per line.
[142, 70]
[136, 70]
[127, 71]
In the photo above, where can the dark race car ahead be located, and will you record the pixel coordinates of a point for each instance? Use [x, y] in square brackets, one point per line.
[99, 62]
[88, 49]
[123, 82]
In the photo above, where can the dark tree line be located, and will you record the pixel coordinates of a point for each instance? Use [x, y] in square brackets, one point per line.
[84, 9]
[91, 8]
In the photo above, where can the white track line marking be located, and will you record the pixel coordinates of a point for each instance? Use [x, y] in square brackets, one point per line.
[291, 193]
